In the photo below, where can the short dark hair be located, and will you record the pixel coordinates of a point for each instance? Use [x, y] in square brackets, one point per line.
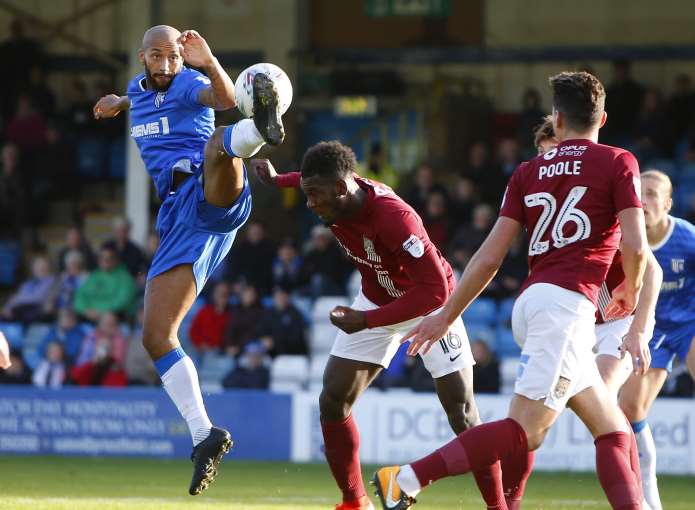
[328, 159]
[543, 131]
[580, 97]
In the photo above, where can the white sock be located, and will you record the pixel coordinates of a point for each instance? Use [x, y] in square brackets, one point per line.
[242, 140]
[408, 482]
[181, 383]
[647, 459]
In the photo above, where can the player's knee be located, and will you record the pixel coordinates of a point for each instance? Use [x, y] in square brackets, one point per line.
[333, 406]
[214, 148]
[633, 410]
[462, 414]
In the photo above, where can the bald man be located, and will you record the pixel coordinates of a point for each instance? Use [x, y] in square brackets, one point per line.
[200, 177]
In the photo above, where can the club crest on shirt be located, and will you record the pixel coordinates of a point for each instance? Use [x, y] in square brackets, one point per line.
[561, 387]
[414, 246]
[677, 265]
[368, 245]
[159, 99]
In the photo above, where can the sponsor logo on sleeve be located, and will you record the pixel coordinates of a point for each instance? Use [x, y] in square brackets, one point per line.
[414, 246]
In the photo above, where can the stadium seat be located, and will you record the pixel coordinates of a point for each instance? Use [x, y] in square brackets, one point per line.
[321, 338]
[508, 372]
[665, 165]
[505, 346]
[304, 305]
[117, 158]
[214, 367]
[324, 305]
[9, 260]
[91, 156]
[504, 315]
[289, 373]
[481, 310]
[35, 334]
[318, 363]
[481, 331]
[14, 332]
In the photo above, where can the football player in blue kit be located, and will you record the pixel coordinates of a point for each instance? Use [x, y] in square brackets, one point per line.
[673, 242]
[200, 177]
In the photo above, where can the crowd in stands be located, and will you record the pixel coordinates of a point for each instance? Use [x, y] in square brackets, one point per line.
[81, 313]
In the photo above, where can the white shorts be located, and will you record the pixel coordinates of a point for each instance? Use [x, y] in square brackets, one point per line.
[609, 338]
[555, 329]
[379, 345]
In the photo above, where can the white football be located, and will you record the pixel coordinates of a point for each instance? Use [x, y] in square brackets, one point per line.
[243, 88]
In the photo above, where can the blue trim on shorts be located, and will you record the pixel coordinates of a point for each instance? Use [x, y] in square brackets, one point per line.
[638, 426]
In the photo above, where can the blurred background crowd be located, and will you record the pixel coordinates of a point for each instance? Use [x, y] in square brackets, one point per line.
[72, 275]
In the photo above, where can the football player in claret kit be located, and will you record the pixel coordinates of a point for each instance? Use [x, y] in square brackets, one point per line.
[574, 201]
[200, 177]
[404, 277]
[673, 242]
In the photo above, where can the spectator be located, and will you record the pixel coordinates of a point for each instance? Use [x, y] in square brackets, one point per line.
[486, 375]
[245, 322]
[51, 371]
[211, 321]
[79, 111]
[30, 301]
[377, 168]
[287, 266]
[62, 294]
[18, 53]
[75, 241]
[283, 330]
[531, 115]
[623, 104]
[513, 272]
[324, 269]
[508, 156]
[423, 186]
[56, 163]
[13, 196]
[652, 139]
[470, 237]
[17, 372]
[27, 128]
[108, 289]
[68, 333]
[138, 365]
[102, 355]
[489, 179]
[436, 220]
[251, 260]
[250, 373]
[128, 252]
[463, 201]
[681, 107]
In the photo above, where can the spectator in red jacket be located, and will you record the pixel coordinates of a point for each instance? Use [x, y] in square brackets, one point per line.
[209, 324]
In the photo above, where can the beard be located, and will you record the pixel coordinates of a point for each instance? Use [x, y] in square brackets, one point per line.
[152, 81]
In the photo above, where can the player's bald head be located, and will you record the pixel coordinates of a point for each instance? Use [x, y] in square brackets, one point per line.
[159, 34]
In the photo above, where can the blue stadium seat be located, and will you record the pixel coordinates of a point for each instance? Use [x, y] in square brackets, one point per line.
[214, 367]
[481, 310]
[14, 332]
[91, 156]
[665, 165]
[35, 334]
[267, 302]
[505, 346]
[481, 331]
[504, 315]
[117, 159]
[9, 261]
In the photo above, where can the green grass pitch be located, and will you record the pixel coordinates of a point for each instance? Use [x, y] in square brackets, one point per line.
[52, 483]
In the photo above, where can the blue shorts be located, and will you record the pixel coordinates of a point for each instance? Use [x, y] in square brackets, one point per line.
[191, 231]
[665, 345]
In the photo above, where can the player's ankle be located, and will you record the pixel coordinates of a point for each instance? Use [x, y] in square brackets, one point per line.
[408, 481]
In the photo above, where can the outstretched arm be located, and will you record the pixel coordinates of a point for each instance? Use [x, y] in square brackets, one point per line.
[111, 105]
[478, 273]
[196, 52]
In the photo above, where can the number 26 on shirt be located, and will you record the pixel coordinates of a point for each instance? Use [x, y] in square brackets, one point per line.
[567, 213]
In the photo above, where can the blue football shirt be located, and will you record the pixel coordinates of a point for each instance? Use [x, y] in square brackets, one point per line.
[170, 127]
[676, 256]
